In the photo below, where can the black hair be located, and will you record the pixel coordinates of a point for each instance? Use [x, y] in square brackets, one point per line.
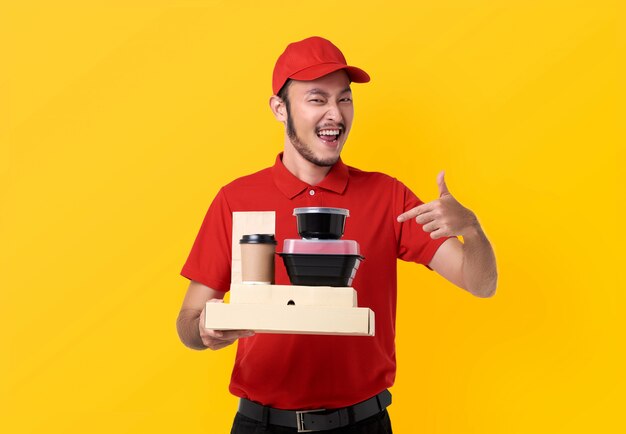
[283, 94]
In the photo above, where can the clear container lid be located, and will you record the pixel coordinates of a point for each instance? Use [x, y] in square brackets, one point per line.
[318, 247]
[321, 210]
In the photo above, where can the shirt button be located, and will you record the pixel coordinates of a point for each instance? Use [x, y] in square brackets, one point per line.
[312, 192]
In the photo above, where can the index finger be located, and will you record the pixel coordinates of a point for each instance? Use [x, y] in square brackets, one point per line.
[418, 210]
[231, 335]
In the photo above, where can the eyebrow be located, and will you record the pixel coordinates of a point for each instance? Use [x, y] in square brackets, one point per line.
[318, 91]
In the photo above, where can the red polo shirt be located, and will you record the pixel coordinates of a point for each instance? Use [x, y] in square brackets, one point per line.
[306, 371]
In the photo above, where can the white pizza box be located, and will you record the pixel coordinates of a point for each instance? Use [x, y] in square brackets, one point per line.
[263, 318]
[293, 295]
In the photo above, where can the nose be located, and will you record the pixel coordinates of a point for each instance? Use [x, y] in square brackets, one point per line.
[333, 113]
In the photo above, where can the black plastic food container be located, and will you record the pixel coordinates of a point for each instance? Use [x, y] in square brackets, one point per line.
[321, 223]
[321, 270]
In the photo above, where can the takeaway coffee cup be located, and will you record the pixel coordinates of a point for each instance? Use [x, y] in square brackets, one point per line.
[257, 258]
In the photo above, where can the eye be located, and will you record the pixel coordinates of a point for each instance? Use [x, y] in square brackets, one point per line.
[346, 99]
[316, 100]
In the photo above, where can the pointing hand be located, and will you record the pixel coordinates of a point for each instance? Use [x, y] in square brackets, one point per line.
[443, 217]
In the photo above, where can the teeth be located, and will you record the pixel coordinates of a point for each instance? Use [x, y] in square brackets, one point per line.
[329, 133]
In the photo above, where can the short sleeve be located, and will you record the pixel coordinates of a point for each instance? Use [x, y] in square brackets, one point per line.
[209, 261]
[414, 244]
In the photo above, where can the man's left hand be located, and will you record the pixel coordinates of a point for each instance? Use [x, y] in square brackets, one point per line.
[443, 217]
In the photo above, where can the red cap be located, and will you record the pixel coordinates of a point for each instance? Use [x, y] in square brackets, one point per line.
[312, 58]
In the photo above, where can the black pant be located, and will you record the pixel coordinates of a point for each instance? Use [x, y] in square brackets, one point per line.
[377, 424]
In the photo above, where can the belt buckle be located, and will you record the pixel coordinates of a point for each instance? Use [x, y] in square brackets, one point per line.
[300, 419]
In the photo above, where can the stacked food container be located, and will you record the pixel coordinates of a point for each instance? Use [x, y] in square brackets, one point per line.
[321, 258]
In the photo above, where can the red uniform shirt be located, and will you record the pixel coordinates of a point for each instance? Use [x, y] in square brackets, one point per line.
[310, 371]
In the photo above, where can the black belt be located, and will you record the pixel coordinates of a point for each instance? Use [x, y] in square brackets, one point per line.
[316, 420]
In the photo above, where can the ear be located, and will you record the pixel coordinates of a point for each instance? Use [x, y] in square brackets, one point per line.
[278, 108]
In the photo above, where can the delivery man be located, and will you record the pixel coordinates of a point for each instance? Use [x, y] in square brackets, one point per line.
[336, 384]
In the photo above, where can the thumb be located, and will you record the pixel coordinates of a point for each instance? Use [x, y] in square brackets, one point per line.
[443, 188]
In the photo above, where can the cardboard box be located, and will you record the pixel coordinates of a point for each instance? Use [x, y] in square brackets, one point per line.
[351, 321]
[293, 295]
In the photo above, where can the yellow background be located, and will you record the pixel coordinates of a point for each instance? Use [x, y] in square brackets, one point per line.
[119, 121]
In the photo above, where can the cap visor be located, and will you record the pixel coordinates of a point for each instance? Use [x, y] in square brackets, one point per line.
[355, 74]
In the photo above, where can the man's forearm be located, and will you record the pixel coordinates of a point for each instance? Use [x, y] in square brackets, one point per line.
[188, 331]
[480, 274]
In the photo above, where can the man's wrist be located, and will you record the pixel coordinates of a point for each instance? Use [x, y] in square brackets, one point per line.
[188, 325]
[473, 232]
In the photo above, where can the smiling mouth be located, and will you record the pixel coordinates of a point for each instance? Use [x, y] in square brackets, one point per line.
[329, 135]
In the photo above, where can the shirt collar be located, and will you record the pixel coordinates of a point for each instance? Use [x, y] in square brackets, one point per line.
[336, 180]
